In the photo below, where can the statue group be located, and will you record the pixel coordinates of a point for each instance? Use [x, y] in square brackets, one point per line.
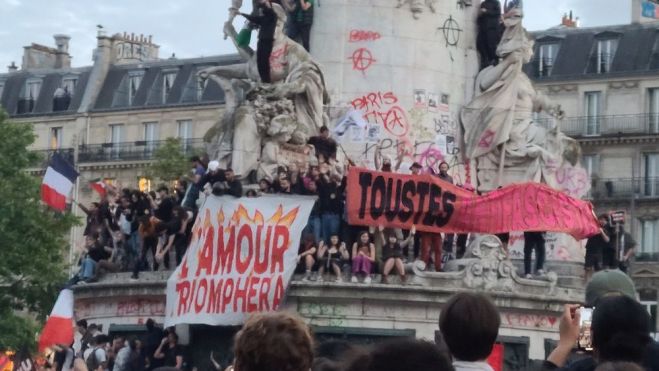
[261, 118]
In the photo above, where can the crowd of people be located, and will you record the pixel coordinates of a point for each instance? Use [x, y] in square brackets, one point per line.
[130, 230]
[468, 329]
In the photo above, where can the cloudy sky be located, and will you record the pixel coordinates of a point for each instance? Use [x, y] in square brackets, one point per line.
[192, 28]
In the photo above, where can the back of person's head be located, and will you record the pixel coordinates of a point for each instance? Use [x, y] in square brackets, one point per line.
[620, 329]
[609, 282]
[469, 324]
[278, 341]
[403, 354]
[619, 366]
[324, 364]
[150, 324]
[82, 323]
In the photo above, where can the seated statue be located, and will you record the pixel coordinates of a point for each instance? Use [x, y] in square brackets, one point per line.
[261, 118]
[501, 137]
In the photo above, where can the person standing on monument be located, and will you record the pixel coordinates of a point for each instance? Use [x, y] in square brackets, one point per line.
[594, 249]
[267, 23]
[534, 241]
[300, 25]
[490, 30]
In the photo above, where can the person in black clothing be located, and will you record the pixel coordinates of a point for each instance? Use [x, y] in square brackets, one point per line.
[331, 195]
[325, 146]
[170, 352]
[163, 209]
[301, 22]
[151, 342]
[534, 241]
[267, 23]
[594, 249]
[490, 31]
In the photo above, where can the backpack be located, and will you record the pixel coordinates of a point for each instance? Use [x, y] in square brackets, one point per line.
[92, 361]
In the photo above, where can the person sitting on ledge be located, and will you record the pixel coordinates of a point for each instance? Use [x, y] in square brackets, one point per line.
[332, 257]
[392, 253]
[363, 257]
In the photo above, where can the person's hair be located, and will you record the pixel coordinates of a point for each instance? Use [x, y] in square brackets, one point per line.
[96, 204]
[162, 188]
[324, 364]
[620, 329]
[443, 163]
[150, 324]
[195, 159]
[278, 341]
[251, 193]
[403, 354]
[82, 323]
[174, 334]
[603, 216]
[619, 366]
[469, 324]
[324, 129]
[132, 343]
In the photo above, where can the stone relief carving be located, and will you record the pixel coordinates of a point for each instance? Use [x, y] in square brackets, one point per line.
[417, 7]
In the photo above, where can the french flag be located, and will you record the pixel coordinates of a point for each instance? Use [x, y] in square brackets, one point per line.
[57, 182]
[59, 326]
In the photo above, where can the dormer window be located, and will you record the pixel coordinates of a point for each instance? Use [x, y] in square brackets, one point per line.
[606, 50]
[201, 86]
[546, 58]
[32, 89]
[29, 96]
[69, 85]
[167, 84]
[134, 81]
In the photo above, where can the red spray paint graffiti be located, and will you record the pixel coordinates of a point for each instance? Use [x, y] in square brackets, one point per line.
[363, 35]
[379, 107]
[362, 60]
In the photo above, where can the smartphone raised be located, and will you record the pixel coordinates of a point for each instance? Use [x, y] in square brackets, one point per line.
[585, 342]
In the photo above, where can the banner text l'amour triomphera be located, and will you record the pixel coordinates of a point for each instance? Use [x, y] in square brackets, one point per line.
[240, 260]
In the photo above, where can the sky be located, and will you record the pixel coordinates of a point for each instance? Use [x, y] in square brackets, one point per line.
[193, 28]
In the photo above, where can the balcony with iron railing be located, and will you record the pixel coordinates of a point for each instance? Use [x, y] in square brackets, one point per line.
[608, 126]
[132, 151]
[624, 188]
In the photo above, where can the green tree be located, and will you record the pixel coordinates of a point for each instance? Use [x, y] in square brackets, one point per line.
[33, 241]
[170, 162]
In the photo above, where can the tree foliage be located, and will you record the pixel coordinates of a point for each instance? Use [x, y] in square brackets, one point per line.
[170, 162]
[33, 240]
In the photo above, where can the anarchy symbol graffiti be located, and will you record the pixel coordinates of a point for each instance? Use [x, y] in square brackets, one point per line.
[451, 31]
[362, 59]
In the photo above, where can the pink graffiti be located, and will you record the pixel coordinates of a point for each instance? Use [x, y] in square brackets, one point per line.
[529, 320]
[363, 35]
[572, 180]
[278, 58]
[487, 139]
[430, 157]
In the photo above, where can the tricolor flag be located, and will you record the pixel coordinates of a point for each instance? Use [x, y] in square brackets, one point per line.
[57, 182]
[99, 186]
[59, 326]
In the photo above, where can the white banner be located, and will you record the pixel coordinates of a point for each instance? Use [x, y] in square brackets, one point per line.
[240, 260]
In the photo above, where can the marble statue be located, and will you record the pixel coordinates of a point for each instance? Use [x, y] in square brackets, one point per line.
[501, 137]
[417, 6]
[260, 119]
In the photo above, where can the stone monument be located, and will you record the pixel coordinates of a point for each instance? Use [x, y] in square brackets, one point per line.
[261, 120]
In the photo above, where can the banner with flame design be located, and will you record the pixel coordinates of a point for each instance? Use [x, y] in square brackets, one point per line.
[240, 260]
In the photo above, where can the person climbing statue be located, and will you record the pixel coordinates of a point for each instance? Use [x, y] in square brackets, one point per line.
[267, 23]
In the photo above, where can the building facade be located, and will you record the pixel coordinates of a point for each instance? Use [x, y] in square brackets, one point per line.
[607, 82]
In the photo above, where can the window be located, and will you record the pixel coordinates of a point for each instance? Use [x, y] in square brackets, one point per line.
[55, 141]
[167, 83]
[134, 81]
[606, 50]
[69, 85]
[547, 57]
[651, 181]
[2, 88]
[32, 90]
[653, 116]
[591, 163]
[116, 139]
[201, 86]
[593, 109]
[185, 133]
[649, 246]
[150, 136]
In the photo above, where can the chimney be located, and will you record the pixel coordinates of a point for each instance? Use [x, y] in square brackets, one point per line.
[12, 67]
[568, 21]
[62, 57]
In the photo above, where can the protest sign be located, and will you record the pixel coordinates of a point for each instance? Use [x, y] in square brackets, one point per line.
[240, 260]
[432, 205]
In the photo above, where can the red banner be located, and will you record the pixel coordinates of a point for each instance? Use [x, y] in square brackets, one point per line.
[401, 201]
